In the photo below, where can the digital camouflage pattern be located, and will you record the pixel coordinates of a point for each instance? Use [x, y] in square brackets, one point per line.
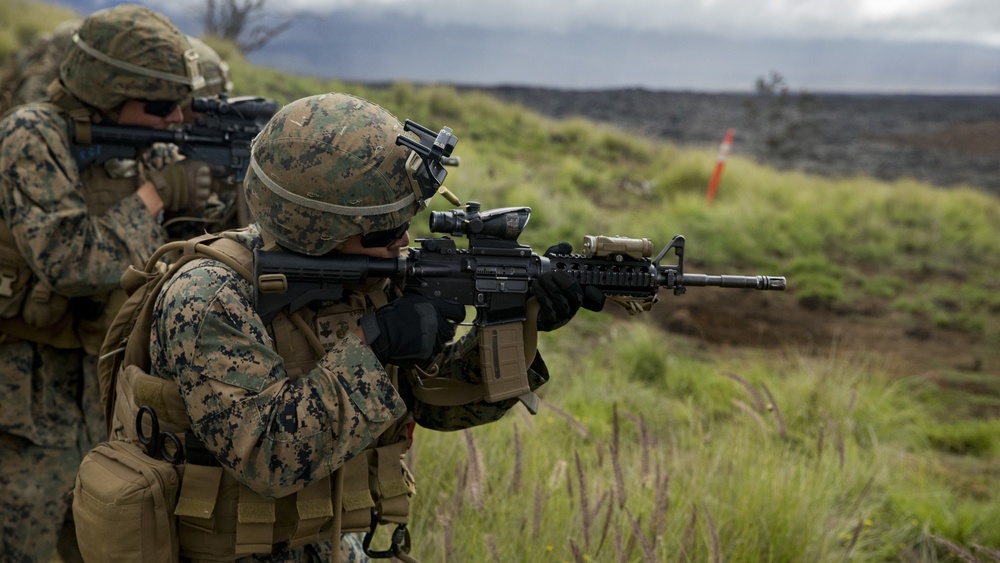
[75, 253]
[51, 412]
[50, 396]
[131, 44]
[333, 170]
[35, 513]
[277, 432]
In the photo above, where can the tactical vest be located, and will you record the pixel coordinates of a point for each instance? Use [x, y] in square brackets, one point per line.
[218, 518]
[29, 309]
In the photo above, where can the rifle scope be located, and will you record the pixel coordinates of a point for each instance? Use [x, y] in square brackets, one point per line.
[500, 224]
[244, 107]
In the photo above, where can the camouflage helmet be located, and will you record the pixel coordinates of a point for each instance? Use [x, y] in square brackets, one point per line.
[327, 167]
[213, 69]
[129, 52]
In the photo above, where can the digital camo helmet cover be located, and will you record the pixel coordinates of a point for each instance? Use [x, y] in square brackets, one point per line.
[327, 167]
[129, 52]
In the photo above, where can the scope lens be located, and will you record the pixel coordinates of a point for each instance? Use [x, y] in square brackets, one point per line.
[443, 221]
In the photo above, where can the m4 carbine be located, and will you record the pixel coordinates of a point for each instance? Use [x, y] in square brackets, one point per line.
[220, 136]
[495, 274]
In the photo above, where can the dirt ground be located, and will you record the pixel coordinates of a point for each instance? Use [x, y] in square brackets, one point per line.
[722, 319]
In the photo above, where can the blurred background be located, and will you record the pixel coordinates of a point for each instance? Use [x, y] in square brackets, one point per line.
[886, 88]
[855, 46]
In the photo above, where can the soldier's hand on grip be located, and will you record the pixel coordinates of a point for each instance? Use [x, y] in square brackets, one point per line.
[411, 329]
[560, 296]
[184, 186]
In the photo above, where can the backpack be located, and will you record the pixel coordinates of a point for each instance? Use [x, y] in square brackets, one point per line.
[124, 501]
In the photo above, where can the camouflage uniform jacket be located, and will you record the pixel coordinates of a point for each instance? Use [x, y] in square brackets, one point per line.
[274, 431]
[74, 252]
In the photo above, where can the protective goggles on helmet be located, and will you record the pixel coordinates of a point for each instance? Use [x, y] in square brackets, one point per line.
[159, 108]
[382, 239]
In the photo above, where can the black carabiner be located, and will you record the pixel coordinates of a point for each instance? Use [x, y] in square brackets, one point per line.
[398, 545]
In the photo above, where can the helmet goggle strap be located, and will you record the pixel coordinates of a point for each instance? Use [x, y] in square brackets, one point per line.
[355, 211]
[192, 78]
[420, 181]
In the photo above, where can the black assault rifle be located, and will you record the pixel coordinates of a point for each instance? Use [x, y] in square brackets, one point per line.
[494, 274]
[220, 136]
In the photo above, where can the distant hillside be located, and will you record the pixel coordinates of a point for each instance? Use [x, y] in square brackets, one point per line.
[943, 140]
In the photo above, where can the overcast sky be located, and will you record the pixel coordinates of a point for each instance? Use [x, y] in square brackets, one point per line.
[923, 46]
[975, 21]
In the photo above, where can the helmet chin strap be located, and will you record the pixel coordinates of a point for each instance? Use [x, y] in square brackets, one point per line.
[269, 242]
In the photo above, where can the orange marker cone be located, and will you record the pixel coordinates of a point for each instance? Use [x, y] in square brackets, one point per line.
[713, 184]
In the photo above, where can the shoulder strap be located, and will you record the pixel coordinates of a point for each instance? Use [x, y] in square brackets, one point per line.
[128, 338]
[79, 113]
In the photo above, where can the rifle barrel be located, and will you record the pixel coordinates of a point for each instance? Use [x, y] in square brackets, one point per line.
[746, 282]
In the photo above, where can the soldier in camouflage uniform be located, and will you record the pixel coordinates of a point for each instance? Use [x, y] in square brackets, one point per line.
[66, 235]
[325, 397]
[26, 74]
[25, 77]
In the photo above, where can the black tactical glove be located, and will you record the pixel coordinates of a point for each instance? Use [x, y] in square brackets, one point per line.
[560, 296]
[411, 329]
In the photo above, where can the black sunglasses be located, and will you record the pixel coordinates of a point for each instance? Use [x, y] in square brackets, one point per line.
[159, 108]
[382, 239]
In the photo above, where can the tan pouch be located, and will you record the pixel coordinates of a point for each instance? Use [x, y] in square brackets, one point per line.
[14, 277]
[123, 505]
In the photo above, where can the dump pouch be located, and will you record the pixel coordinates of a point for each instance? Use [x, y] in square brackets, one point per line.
[123, 505]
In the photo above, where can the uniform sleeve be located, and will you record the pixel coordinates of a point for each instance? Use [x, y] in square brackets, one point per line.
[461, 361]
[75, 252]
[276, 434]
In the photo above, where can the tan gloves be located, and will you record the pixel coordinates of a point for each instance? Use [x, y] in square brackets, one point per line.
[184, 186]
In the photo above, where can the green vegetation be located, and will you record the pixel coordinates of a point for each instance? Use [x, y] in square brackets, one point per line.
[650, 448]
[21, 21]
[797, 459]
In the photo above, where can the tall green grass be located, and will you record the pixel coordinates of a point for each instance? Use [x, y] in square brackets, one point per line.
[646, 451]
